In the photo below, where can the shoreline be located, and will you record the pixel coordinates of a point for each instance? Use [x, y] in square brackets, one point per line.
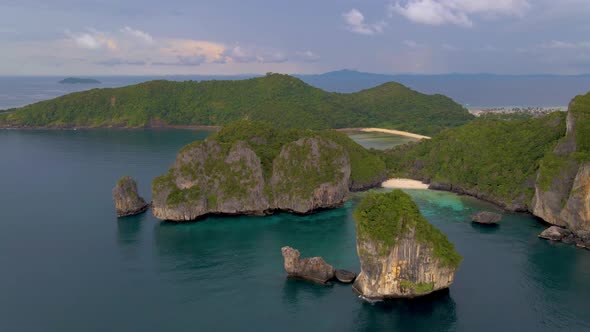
[387, 131]
[183, 127]
[400, 183]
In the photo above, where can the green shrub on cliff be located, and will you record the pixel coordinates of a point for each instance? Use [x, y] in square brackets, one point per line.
[282, 100]
[386, 217]
[267, 141]
[495, 157]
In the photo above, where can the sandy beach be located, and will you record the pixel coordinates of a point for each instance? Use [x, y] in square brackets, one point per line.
[404, 184]
[394, 132]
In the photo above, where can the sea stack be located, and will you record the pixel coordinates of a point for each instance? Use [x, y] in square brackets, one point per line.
[314, 268]
[401, 254]
[127, 201]
[486, 218]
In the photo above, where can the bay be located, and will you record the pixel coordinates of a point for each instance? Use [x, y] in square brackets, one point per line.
[68, 264]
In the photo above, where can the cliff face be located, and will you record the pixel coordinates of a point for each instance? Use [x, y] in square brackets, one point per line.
[211, 178]
[310, 173]
[401, 254]
[221, 178]
[127, 201]
[407, 270]
[562, 190]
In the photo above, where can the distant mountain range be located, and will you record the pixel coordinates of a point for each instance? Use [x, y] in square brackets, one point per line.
[471, 90]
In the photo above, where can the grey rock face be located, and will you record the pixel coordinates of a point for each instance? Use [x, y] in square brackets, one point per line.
[127, 201]
[486, 218]
[212, 178]
[308, 174]
[345, 277]
[314, 269]
[566, 200]
[555, 233]
[408, 270]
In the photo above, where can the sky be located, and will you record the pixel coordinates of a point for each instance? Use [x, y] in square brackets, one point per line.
[226, 37]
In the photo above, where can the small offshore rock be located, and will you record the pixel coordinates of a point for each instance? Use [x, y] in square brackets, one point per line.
[555, 233]
[345, 277]
[314, 269]
[486, 218]
[127, 201]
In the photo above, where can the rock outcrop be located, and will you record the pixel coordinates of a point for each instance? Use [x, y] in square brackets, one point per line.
[314, 268]
[401, 254]
[229, 178]
[562, 190]
[555, 233]
[345, 277]
[486, 218]
[127, 201]
[309, 174]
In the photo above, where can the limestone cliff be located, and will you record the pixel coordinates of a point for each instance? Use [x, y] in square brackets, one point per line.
[309, 174]
[313, 268]
[401, 254]
[229, 178]
[562, 190]
[127, 201]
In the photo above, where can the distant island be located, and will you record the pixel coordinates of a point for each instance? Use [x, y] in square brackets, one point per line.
[283, 100]
[77, 80]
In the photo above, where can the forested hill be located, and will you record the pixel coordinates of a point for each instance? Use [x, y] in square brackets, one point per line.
[283, 100]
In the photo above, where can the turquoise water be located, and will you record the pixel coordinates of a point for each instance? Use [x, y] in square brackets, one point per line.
[67, 264]
[378, 141]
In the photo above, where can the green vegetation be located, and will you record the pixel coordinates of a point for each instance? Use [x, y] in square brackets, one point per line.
[419, 288]
[282, 100]
[580, 109]
[496, 157]
[76, 80]
[384, 218]
[559, 165]
[268, 141]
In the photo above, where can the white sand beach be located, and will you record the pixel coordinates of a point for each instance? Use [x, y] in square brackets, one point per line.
[404, 184]
[394, 132]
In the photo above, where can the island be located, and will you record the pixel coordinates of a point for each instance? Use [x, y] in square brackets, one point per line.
[283, 100]
[77, 80]
[402, 255]
[539, 165]
[253, 168]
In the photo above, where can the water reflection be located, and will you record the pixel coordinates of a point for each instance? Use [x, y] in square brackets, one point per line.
[298, 292]
[129, 229]
[436, 312]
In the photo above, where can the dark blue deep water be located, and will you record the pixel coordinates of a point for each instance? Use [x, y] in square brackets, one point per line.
[67, 264]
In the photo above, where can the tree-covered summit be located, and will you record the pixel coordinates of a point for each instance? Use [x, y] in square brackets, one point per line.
[282, 100]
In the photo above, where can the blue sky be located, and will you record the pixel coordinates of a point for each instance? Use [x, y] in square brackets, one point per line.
[147, 37]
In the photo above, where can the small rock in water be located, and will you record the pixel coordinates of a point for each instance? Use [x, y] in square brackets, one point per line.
[486, 218]
[555, 233]
[314, 269]
[345, 277]
[127, 201]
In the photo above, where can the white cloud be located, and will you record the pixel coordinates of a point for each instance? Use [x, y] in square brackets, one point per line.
[92, 39]
[457, 12]
[307, 56]
[355, 21]
[411, 44]
[558, 44]
[140, 35]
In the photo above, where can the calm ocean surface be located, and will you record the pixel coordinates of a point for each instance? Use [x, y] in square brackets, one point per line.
[67, 263]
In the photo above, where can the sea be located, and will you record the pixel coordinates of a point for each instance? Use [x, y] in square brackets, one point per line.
[68, 264]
